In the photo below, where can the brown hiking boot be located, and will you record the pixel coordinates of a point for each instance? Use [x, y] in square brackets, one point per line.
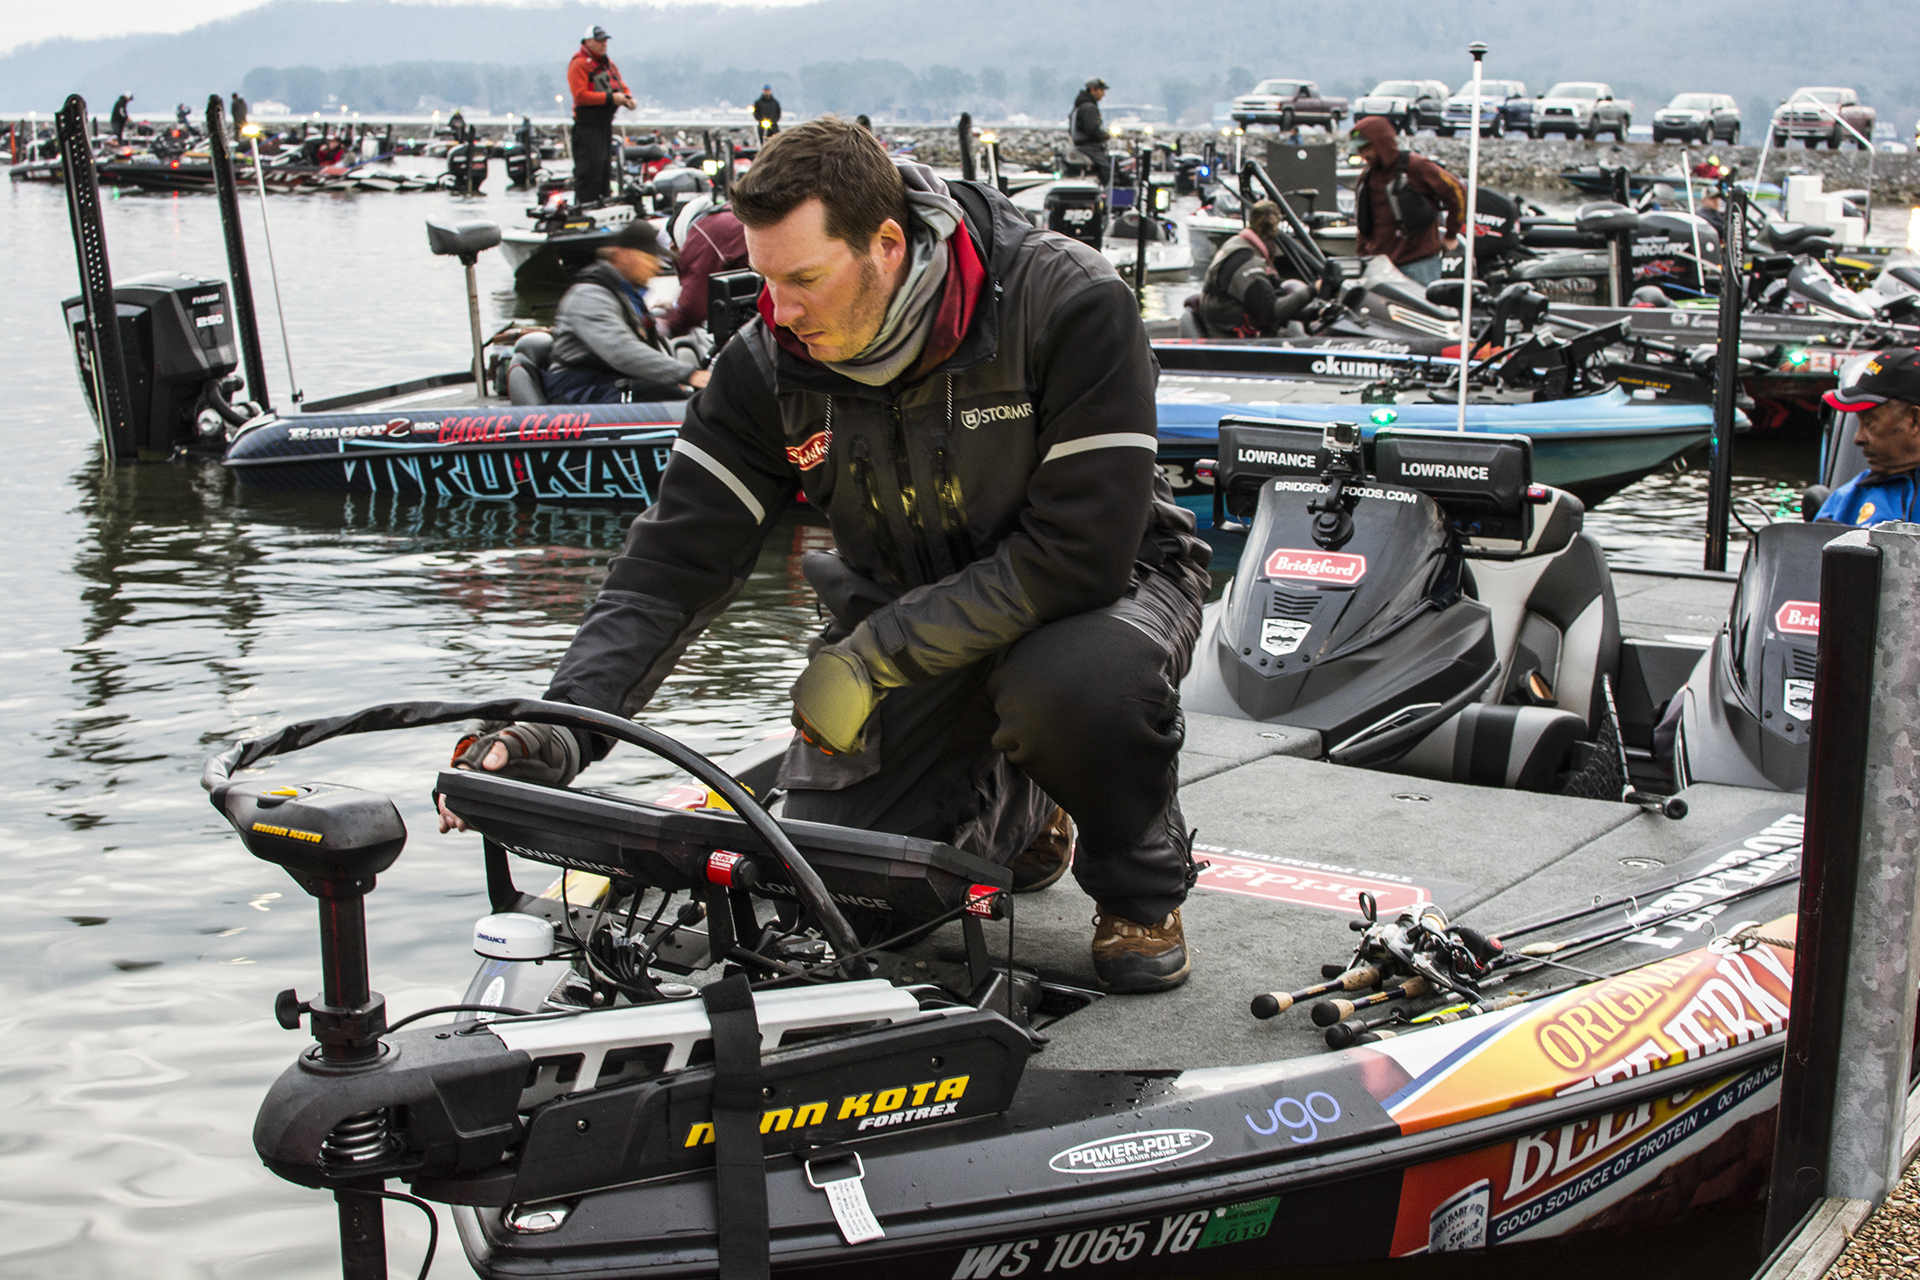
[1129, 958]
[1047, 858]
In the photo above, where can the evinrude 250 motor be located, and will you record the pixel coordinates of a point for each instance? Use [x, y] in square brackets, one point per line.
[1445, 617]
[176, 333]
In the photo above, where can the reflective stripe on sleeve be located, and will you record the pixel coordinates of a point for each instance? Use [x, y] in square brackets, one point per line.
[695, 453]
[1116, 440]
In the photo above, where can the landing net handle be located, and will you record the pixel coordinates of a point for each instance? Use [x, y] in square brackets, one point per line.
[107, 366]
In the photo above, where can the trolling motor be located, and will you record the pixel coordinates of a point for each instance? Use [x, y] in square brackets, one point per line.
[334, 841]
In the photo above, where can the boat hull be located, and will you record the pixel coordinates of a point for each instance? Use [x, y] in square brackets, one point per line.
[600, 454]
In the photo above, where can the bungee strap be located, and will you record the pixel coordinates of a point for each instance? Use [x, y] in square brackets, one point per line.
[739, 1164]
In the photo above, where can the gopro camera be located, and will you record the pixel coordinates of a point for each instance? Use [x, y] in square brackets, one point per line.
[1341, 440]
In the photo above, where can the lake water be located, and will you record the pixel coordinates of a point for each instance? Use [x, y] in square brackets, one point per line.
[157, 613]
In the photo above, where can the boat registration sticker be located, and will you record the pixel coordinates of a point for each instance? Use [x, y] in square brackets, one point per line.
[1230, 1224]
[1281, 636]
[1337, 567]
[1798, 618]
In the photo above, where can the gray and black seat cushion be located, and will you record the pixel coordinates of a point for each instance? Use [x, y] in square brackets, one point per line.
[526, 374]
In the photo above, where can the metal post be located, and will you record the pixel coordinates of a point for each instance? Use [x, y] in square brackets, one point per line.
[1686, 171]
[1142, 197]
[473, 318]
[1849, 1038]
[363, 1235]
[1726, 378]
[1472, 229]
[246, 323]
[112, 412]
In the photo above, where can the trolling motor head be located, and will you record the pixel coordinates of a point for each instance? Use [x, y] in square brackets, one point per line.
[333, 841]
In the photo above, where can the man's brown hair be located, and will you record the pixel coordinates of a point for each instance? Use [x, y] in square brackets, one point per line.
[840, 164]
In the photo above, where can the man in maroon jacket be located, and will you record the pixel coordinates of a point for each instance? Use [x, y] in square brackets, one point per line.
[1406, 206]
[715, 242]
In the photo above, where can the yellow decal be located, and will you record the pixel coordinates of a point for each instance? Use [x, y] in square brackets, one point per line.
[291, 833]
[903, 1105]
[1866, 513]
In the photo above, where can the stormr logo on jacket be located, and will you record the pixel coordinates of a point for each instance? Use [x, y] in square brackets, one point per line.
[811, 452]
[973, 419]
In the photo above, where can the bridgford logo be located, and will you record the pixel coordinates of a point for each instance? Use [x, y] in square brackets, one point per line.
[812, 452]
[1135, 1151]
[972, 418]
[1317, 566]
[1349, 368]
[1798, 617]
[1444, 471]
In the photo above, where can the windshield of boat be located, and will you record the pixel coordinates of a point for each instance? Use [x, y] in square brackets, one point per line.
[1281, 88]
[1587, 91]
[1494, 90]
[1396, 89]
[1693, 102]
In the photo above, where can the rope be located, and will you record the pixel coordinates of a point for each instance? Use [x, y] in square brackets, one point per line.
[1749, 937]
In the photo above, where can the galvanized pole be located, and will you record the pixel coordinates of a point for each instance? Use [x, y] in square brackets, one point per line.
[1471, 230]
[1726, 377]
[1849, 1038]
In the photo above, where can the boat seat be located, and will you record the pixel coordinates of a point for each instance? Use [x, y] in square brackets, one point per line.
[1191, 325]
[1605, 217]
[1524, 748]
[1795, 239]
[527, 372]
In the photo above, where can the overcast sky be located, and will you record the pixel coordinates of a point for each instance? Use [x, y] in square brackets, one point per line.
[27, 23]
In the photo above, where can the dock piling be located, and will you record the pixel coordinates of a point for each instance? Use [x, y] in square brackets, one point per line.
[1843, 1093]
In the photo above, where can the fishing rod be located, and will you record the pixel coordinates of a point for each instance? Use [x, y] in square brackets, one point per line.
[1470, 231]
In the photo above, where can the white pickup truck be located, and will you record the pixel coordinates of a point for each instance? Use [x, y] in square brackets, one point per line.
[1584, 108]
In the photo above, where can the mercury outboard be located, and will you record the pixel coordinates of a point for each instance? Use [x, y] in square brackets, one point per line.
[1436, 613]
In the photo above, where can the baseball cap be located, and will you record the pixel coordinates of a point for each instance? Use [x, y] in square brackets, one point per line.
[640, 234]
[1894, 374]
[1096, 83]
[596, 33]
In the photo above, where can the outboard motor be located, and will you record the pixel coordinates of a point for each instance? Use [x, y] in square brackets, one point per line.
[1078, 209]
[523, 157]
[1662, 250]
[1744, 715]
[467, 166]
[177, 336]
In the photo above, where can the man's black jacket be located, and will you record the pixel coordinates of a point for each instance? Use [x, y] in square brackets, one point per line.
[1015, 484]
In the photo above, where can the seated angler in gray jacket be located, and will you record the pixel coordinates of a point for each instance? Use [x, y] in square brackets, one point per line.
[604, 345]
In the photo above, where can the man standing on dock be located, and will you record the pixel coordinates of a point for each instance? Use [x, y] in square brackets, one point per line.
[1013, 596]
[1405, 206]
[598, 92]
[1087, 131]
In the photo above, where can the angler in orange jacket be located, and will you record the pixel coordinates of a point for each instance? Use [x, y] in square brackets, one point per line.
[598, 92]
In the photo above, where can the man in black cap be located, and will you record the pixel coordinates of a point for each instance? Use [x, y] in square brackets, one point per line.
[1086, 129]
[598, 92]
[1887, 400]
[605, 348]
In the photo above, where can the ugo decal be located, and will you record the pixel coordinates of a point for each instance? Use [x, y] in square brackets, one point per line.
[1135, 1151]
[1301, 1117]
[1798, 617]
[811, 452]
[1336, 567]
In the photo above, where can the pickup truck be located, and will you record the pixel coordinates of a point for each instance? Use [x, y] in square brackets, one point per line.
[1585, 108]
[1408, 105]
[1809, 114]
[1505, 106]
[1288, 103]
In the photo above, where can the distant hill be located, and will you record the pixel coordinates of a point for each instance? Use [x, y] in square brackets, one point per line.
[928, 58]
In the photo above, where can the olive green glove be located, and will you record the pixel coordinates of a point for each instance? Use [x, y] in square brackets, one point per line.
[837, 693]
